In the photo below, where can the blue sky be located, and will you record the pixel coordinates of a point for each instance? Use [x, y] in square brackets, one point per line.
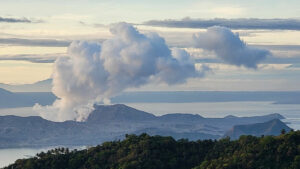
[69, 20]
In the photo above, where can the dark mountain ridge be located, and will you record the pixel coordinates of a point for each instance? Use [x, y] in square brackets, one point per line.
[118, 113]
[112, 122]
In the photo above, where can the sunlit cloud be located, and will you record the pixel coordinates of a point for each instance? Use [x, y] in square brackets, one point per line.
[22, 72]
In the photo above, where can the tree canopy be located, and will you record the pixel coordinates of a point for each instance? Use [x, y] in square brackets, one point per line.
[144, 151]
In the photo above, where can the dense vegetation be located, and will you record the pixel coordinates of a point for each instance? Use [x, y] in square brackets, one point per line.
[146, 151]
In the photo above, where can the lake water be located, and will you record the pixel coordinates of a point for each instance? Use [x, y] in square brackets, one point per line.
[10, 155]
[213, 109]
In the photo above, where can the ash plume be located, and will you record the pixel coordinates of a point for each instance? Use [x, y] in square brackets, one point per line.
[95, 72]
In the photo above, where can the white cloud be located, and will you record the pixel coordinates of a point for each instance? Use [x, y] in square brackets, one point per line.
[229, 47]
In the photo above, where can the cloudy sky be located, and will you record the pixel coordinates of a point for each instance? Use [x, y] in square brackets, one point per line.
[33, 33]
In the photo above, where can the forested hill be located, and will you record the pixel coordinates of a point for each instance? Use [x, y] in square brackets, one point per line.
[144, 151]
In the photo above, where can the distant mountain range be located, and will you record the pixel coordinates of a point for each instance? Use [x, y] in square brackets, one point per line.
[33, 94]
[108, 123]
[41, 86]
[24, 99]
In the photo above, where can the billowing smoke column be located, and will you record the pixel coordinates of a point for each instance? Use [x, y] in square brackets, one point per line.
[229, 47]
[96, 72]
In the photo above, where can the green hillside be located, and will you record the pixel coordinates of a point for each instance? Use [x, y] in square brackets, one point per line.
[155, 152]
